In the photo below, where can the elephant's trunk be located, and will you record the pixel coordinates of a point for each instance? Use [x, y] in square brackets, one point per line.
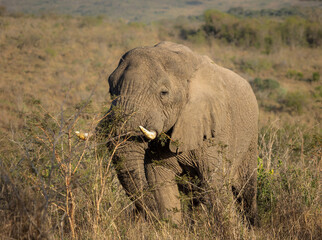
[124, 119]
[129, 163]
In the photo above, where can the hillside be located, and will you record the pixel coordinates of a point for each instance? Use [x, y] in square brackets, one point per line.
[146, 11]
[53, 81]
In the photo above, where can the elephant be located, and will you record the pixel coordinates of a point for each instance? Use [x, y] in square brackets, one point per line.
[184, 116]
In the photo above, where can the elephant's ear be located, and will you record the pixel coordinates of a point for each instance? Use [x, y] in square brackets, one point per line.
[201, 118]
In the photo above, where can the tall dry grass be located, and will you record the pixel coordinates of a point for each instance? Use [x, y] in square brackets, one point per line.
[58, 186]
[289, 191]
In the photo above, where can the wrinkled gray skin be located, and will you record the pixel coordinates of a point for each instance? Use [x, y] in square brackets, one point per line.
[210, 114]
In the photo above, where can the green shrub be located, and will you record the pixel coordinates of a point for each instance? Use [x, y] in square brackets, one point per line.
[317, 93]
[194, 36]
[292, 31]
[265, 195]
[315, 76]
[231, 29]
[265, 84]
[313, 34]
[293, 74]
[294, 101]
[267, 91]
[268, 44]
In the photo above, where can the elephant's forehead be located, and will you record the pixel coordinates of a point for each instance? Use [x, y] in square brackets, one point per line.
[142, 70]
[143, 64]
[139, 80]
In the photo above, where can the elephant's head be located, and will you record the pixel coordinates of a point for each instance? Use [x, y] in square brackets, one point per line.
[158, 90]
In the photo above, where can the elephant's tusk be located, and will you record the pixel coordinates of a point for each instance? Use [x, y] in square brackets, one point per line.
[149, 134]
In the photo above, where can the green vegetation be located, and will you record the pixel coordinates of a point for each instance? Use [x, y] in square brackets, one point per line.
[269, 93]
[315, 76]
[309, 13]
[318, 92]
[53, 82]
[268, 32]
[283, 12]
[264, 33]
[294, 101]
[264, 84]
[293, 74]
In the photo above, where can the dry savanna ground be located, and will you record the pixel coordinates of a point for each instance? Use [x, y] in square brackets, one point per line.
[53, 81]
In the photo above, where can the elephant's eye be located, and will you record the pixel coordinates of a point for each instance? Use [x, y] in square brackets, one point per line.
[164, 93]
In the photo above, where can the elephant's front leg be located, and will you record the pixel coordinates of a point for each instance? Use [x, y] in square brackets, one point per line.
[165, 188]
[129, 164]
